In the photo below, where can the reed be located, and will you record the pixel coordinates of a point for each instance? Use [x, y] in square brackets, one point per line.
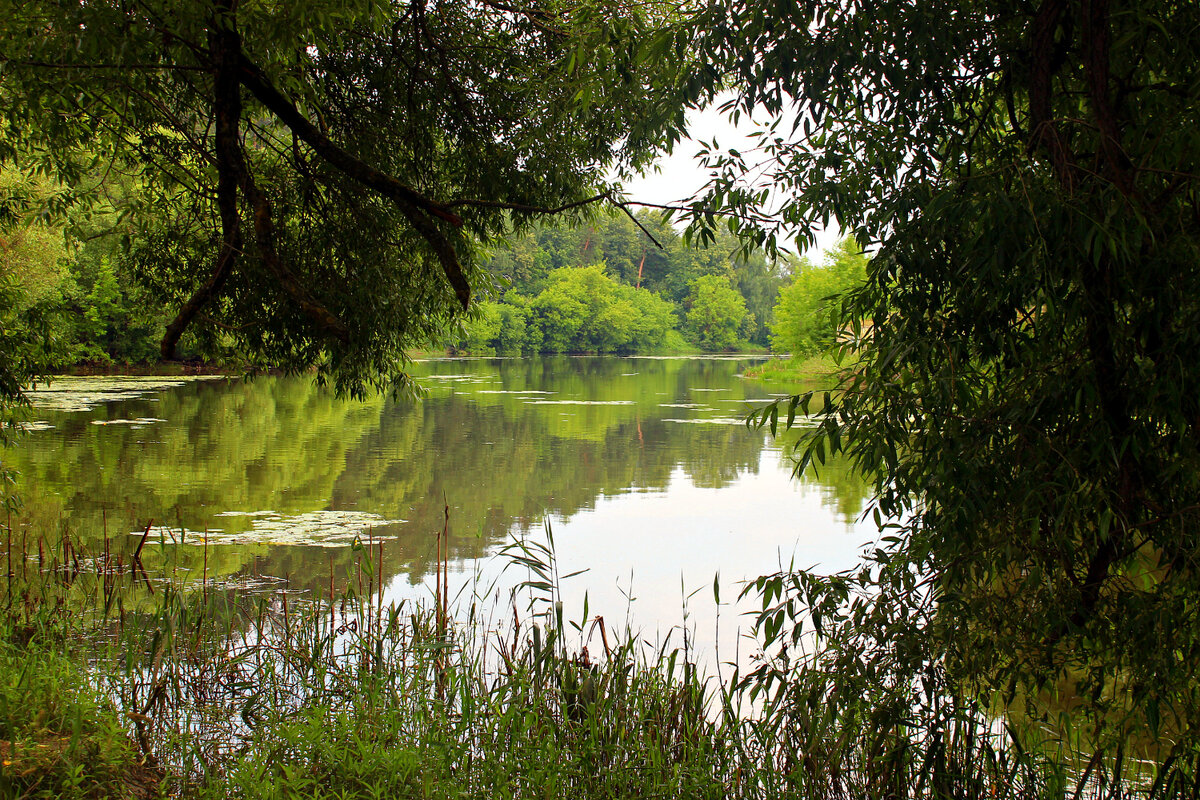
[121, 683]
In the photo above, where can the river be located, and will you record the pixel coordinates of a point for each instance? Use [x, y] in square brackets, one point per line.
[642, 467]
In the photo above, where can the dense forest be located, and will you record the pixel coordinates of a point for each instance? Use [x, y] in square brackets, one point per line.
[620, 284]
[88, 284]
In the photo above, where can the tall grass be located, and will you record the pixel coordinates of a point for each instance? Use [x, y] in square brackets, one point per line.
[270, 694]
[115, 682]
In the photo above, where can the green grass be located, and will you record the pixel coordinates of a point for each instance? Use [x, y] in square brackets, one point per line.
[243, 695]
[204, 692]
[58, 737]
[795, 371]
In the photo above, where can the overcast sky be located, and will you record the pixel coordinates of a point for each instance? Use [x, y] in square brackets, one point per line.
[681, 174]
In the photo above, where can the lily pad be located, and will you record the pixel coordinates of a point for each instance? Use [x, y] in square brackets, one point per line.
[580, 403]
[513, 391]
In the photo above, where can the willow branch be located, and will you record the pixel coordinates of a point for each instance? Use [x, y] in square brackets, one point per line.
[264, 233]
[528, 209]
[227, 111]
[637, 222]
[1097, 68]
[413, 205]
[1042, 130]
[121, 67]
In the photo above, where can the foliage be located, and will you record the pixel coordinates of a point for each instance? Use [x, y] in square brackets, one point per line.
[32, 265]
[71, 270]
[1026, 393]
[314, 179]
[343, 696]
[716, 313]
[482, 328]
[57, 739]
[808, 311]
[665, 265]
[581, 309]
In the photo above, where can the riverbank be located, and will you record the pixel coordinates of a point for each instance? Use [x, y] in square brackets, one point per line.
[121, 683]
[795, 370]
[210, 690]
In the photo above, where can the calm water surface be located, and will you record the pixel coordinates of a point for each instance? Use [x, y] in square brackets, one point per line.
[642, 466]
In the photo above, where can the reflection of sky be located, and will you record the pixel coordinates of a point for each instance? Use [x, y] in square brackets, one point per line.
[657, 546]
[301, 468]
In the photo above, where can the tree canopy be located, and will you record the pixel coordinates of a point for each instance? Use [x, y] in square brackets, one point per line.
[1028, 178]
[807, 314]
[314, 177]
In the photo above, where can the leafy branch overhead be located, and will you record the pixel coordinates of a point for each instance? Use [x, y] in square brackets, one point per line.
[1024, 387]
[320, 172]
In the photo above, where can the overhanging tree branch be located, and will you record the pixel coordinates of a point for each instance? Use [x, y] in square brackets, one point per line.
[227, 111]
[623, 205]
[264, 231]
[416, 207]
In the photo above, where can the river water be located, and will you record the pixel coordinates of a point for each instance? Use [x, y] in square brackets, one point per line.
[642, 467]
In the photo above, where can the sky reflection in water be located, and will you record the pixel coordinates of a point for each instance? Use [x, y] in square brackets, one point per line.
[642, 466]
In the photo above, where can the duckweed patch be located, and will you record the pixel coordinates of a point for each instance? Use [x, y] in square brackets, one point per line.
[311, 529]
[86, 393]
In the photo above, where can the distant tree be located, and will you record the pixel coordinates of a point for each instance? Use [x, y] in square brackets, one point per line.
[561, 310]
[759, 281]
[481, 328]
[715, 313]
[807, 316]
[583, 309]
[654, 319]
[515, 335]
[33, 278]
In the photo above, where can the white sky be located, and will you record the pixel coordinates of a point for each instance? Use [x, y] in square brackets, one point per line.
[681, 174]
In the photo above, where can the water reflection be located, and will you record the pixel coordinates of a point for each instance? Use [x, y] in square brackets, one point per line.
[642, 464]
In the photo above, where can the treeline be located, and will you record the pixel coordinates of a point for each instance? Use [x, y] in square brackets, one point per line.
[84, 287]
[606, 286]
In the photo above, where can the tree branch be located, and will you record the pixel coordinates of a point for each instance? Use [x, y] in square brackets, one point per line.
[1096, 67]
[264, 234]
[416, 207]
[227, 110]
[642, 227]
[1041, 127]
[122, 67]
[538, 17]
[527, 208]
